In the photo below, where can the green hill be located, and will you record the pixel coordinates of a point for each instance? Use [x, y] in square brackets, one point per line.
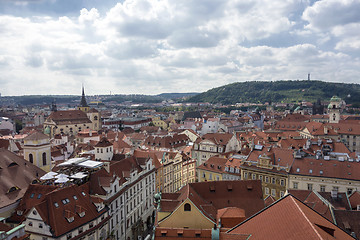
[279, 91]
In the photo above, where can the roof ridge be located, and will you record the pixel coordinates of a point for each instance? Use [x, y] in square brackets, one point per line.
[306, 218]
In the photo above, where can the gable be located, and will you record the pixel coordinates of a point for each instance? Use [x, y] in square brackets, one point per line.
[193, 219]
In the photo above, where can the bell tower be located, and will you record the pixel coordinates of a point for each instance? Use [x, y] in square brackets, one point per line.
[83, 104]
[334, 109]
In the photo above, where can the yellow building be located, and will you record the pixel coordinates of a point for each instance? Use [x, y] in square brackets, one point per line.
[271, 166]
[198, 206]
[159, 123]
[69, 122]
[212, 170]
[37, 150]
[177, 160]
[188, 171]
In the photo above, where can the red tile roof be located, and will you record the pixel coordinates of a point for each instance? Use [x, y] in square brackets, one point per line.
[289, 218]
[326, 168]
[61, 203]
[69, 117]
[354, 199]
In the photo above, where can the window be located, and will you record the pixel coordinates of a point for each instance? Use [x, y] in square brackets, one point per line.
[335, 188]
[187, 207]
[31, 158]
[282, 182]
[282, 193]
[245, 175]
[69, 236]
[39, 196]
[273, 180]
[30, 224]
[273, 192]
[267, 179]
[254, 176]
[349, 191]
[40, 225]
[322, 188]
[295, 185]
[44, 158]
[261, 177]
[267, 191]
[310, 186]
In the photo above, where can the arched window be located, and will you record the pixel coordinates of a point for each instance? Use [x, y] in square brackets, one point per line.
[95, 118]
[187, 207]
[44, 158]
[31, 158]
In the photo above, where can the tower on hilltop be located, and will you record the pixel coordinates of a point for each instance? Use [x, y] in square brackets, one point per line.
[83, 104]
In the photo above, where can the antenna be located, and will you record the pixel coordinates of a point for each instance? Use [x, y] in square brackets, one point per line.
[308, 76]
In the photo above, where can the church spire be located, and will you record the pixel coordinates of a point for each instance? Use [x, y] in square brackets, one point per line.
[83, 102]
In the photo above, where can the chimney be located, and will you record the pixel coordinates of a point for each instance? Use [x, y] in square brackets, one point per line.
[326, 130]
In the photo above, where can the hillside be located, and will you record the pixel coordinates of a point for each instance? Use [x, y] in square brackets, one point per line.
[279, 91]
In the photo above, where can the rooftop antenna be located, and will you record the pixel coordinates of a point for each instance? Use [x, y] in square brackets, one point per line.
[308, 76]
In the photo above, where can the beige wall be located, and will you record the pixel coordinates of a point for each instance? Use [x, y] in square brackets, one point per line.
[194, 219]
[302, 182]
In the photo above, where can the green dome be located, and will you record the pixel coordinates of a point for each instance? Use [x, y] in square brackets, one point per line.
[157, 197]
[330, 106]
[47, 130]
[335, 99]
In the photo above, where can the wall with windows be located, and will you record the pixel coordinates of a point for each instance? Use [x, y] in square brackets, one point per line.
[322, 184]
[273, 184]
[204, 176]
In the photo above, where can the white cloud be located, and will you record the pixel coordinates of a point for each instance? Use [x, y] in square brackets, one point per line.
[153, 46]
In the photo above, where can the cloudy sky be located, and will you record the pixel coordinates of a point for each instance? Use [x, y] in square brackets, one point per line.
[156, 46]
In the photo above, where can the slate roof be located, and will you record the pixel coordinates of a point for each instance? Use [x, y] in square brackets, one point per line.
[35, 136]
[12, 165]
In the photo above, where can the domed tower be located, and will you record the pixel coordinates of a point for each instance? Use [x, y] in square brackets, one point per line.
[37, 150]
[334, 109]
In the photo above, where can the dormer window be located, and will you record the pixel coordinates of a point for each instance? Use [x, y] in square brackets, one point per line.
[12, 189]
[69, 216]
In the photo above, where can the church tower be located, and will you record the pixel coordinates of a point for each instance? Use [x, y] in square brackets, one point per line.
[334, 109]
[83, 104]
[37, 150]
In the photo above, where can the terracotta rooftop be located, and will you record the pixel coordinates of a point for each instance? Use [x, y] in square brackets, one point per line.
[69, 117]
[289, 218]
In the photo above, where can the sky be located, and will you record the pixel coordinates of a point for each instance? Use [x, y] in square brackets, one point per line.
[157, 46]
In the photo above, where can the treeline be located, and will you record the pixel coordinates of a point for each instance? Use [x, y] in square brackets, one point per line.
[279, 91]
